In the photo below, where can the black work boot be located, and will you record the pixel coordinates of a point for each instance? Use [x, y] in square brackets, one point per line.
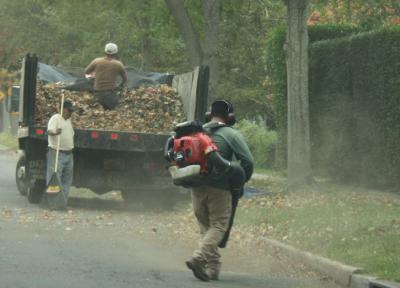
[198, 268]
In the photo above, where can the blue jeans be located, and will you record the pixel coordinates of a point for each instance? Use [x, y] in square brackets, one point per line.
[109, 99]
[64, 174]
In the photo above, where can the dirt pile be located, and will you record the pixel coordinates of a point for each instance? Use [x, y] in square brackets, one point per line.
[146, 110]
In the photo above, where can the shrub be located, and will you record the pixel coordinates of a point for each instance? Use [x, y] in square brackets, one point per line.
[262, 142]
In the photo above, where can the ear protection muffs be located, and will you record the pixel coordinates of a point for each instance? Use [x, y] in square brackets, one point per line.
[230, 120]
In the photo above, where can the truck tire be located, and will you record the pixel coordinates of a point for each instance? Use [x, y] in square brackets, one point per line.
[36, 191]
[20, 178]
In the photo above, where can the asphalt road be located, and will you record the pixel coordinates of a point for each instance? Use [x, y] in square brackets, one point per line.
[103, 246]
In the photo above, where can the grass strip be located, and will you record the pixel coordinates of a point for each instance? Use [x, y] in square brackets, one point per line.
[355, 226]
[8, 140]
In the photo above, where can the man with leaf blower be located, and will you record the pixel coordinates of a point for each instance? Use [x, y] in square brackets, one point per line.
[202, 159]
[61, 138]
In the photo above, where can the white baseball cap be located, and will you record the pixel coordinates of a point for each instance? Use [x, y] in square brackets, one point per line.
[111, 48]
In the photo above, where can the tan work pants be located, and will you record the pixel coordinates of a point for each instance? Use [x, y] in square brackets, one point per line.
[212, 208]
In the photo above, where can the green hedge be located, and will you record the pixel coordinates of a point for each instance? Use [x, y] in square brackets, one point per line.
[276, 73]
[354, 102]
[355, 107]
[276, 70]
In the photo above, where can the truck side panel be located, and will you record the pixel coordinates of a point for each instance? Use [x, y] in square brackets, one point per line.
[109, 140]
[192, 87]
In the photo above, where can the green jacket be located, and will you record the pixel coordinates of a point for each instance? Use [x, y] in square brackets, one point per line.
[231, 145]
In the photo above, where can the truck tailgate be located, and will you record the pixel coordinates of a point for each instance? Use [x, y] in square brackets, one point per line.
[110, 140]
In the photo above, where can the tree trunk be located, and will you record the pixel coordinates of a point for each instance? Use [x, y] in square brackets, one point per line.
[299, 170]
[348, 11]
[187, 30]
[211, 12]
[144, 24]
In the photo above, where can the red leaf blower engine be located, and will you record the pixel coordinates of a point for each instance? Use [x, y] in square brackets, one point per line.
[192, 153]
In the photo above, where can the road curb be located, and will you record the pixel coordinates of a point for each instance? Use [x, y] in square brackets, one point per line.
[364, 281]
[376, 283]
[344, 275]
[338, 272]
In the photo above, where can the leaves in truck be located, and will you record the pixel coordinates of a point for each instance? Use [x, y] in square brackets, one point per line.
[146, 110]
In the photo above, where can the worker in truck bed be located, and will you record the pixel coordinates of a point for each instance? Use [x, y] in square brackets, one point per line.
[106, 70]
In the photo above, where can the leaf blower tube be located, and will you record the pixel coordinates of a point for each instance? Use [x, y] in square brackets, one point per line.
[235, 172]
[237, 178]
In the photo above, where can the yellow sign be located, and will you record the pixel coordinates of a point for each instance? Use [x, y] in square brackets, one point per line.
[7, 80]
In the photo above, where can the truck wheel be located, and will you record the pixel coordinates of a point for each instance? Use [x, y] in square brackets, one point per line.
[36, 191]
[20, 178]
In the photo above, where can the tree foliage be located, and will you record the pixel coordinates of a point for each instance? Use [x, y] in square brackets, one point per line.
[72, 33]
[369, 14]
[242, 53]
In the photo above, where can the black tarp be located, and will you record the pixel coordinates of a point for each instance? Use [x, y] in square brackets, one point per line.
[136, 78]
[53, 74]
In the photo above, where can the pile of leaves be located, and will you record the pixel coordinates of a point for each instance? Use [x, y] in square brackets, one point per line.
[146, 110]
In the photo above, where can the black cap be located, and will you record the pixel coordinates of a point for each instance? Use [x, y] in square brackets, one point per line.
[68, 105]
[221, 108]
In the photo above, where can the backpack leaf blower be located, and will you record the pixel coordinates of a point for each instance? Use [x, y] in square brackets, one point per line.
[192, 153]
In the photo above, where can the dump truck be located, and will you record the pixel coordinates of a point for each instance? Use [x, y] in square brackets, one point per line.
[104, 160]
